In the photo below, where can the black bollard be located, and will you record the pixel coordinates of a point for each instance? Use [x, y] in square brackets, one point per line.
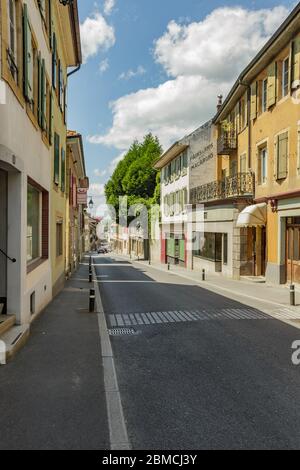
[292, 295]
[203, 274]
[92, 301]
[90, 276]
[169, 266]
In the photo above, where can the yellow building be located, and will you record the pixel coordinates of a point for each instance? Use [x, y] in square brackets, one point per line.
[66, 52]
[76, 181]
[259, 133]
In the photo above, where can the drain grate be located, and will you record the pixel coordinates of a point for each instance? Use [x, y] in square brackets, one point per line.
[122, 332]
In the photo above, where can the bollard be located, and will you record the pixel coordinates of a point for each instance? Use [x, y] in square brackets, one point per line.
[92, 301]
[149, 262]
[203, 274]
[90, 261]
[90, 276]
[169, 266]
[292, 295]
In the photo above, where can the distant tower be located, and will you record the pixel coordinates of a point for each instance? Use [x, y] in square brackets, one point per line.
[220, 102]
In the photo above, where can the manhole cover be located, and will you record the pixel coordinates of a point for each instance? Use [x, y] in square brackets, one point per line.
[122, 332]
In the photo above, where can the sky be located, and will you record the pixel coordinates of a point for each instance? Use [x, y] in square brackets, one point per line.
[157, 66]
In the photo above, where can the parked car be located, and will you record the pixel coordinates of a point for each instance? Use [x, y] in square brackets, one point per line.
[102, 250]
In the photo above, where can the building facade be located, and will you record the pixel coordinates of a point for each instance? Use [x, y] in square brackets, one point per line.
[77, 185]
[259, 129]
[29, 121]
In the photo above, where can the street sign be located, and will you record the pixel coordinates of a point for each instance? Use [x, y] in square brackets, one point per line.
[82, 196]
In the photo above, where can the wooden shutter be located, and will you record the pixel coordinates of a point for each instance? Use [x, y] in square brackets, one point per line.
[271, 96]
[65, 104]
[39, 103]
[56, 159]
[237, 117]
[51, 118]
[282, 155]
[43, 96]
[28, 57]
[253, 107]
[295, 63]
[63, 170]
[54, 61]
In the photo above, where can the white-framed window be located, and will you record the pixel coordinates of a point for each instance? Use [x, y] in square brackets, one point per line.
[264, 95]
[243, 163]
[285, 76]
[12, 38]
[262, 165]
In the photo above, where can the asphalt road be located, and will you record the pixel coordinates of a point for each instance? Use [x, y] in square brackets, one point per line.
[221, 383]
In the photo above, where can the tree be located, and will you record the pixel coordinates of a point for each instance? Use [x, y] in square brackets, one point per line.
[135, 176]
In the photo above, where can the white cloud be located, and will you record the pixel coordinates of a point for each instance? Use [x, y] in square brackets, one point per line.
[100, 173]
[109, 6]
[104, 65]
[203, 59]
[132, 73]
[219, 46]
[96, 189]
[96, 35]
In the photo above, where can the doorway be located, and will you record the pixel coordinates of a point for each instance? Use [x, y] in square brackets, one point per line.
[218, 252]
[293, 249]
[3, 240]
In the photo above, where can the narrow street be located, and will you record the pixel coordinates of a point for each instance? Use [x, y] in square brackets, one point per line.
[203, 371]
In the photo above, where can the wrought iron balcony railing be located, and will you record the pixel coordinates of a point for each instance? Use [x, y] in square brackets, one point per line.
[241, 184]
[227, 143]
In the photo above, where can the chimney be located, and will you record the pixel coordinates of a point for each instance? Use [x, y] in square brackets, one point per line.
[220, 102]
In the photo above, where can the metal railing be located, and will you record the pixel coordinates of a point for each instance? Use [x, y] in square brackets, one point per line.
[227, 143]
[238, 185]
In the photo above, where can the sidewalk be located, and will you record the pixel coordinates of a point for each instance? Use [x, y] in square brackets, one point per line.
[52, 394]
[271, 299]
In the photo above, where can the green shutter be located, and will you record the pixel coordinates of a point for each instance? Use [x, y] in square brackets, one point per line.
[54, 62]
[65, 104]
[282, 155]
[253, 112]
[28, 57]
[171, 247]
[271, 96]
[56, 158]
[44, 96]
[182, 250]
[39, 104]
[51, 119]
[295, 72]
[63, 170]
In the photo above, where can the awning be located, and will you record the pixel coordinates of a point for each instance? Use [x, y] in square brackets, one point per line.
[253, 216]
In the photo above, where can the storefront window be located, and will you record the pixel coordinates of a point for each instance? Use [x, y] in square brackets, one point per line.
[33, 223]
[205, 246]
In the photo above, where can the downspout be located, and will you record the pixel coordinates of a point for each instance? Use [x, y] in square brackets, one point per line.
[74, 71]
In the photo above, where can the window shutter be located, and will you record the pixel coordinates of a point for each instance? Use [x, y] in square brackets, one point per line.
[271, 96]
[63, 170]
[39, 104]
[54, 61]
[237, 117]
[56, 159]
[28, 57]
[282, 155]
[295, 72]
[65, 104]
[253, 112]
[43, 96]
[51, 119]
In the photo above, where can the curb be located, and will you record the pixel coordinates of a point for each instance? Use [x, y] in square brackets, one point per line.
[117, 426]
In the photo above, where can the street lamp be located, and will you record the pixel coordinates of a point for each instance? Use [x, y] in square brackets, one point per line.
[91, 204]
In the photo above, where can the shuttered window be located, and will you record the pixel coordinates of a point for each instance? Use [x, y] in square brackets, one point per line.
[282, 155]
[56, 158]
[264, 95]
[271, 94]
[253, 114]
[54, 62]
[63, 170]
[295, 66]
[28, 57]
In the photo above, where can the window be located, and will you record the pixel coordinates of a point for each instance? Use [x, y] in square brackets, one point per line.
[262, 165]
[243, 163]
[56, 158]
[264, 95]
[54, 62]
[282, 155]
[28, 58]
[298, 152]
[33, 223]
[285, 77]
[205, 245]
[12, 38]
[59, 239]
[233, 167]
[63, 170]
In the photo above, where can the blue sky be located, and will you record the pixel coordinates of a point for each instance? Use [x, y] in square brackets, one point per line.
[158, 66]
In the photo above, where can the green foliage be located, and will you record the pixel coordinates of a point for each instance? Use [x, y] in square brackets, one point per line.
[135, 176]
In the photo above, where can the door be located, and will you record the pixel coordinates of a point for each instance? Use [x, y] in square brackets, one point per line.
[3, 238]
[293, 252]
[218, 252]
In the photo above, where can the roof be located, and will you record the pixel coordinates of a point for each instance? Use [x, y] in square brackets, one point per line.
[74, 18]
[279, 40]
[77, 136]
[170, 154]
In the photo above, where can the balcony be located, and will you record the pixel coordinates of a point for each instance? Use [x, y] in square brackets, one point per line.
[239, 185]
[227, 143]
